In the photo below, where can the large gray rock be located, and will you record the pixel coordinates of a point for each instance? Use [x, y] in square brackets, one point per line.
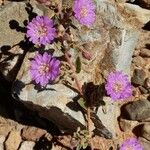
[111, 41]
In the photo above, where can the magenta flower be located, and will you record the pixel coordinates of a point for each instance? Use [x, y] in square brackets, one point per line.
[41, 31]
[118, 86]
[84, 11]
[131, 144]
[44, 68]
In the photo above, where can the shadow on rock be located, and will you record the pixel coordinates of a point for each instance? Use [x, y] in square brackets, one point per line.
[138, 130]
[13, 57]
[43, 143]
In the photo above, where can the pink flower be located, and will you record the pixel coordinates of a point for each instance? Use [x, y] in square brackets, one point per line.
[118, 86]
[131, 144]
[44, 68]
[41, 31]
[84, 11]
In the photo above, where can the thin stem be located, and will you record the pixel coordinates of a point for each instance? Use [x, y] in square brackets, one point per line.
[60, 6]
[89, 126]
[88, 118]
[74, 73]
[79, 87]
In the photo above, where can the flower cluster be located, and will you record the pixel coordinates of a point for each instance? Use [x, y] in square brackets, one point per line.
[131, 144]
[118, 86]
[41, 30]
[44, 68]
[84, 11]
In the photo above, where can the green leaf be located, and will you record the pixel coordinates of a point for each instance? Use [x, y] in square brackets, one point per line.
[78, 65]
[81, 102]
[78, 147]
[85, 145]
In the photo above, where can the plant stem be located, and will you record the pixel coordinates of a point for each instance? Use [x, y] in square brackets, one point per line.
[60, 7]
[79, 88]
[89, 126]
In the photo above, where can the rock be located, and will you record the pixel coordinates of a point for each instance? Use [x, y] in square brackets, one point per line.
[7, 125]
[13, 141]
[147, 66]
[32, 133]
[9, 63]
[145, 143]
[111, 41]
[138, 61]
[27, 145]
[144, 3]
[3, 120]
[146, 131]
[10, 52]
[13, 25]
[143, 15]
[136, 92]
[109, 112]
[2, 140]
[143, 90]
[5, 129]
[139, 76]
[147, 83]
[56, 147]
[145, 52]
[43, 143]
[12, 43]
[138, 110]
[100, 129]
[67, 142]
[127, 125]
[136, 52]
[143, 40]
[10, 22]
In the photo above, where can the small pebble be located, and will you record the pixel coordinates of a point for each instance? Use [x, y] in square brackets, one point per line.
[138, 61]
[139, 76]
[147, 83]
[143, 90]
[145, 52]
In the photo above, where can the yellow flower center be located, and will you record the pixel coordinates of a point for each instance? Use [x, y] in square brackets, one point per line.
[44, 68]
[117, 87]
[42, 31]
[83, 12]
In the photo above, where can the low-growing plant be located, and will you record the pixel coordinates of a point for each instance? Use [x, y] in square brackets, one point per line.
[45, 68]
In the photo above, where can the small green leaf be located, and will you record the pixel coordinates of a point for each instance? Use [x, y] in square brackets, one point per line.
[78, 147]
[81, 102]
[85, 145]
[78, 65]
